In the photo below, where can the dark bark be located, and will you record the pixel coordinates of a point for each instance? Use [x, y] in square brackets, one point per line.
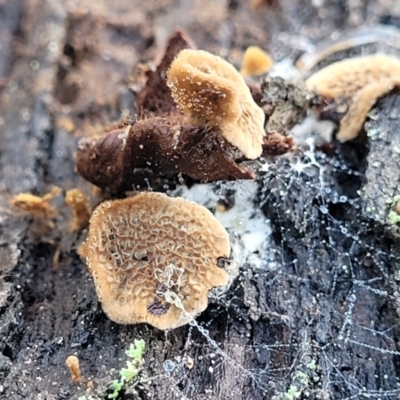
[319, 317]
[382, 178]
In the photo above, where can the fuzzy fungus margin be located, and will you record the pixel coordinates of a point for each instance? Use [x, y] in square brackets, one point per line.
[211, 92]
[145, 250]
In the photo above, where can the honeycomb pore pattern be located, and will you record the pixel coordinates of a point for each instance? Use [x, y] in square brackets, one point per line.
[142, 249]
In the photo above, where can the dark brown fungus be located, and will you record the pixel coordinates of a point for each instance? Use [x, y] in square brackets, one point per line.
[156, 144]
[277, 144]
[207, 157]
[155, 97]
[168, 148]
[100, 161]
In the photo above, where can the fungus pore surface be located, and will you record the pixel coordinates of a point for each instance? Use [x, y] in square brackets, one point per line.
[145, 250]
[211, 92]
[360, 81]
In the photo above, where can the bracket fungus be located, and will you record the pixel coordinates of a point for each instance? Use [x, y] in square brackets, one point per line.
[359, 81]
[211, 92]
[154, 258]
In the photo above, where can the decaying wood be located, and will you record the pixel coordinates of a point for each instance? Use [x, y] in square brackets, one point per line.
[382, 181]
[319, 317]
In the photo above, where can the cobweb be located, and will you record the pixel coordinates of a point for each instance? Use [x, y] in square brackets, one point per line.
[312, 309]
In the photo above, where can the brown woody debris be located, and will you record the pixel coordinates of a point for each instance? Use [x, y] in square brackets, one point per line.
[359, 82]
[149, 254]
[285, 104]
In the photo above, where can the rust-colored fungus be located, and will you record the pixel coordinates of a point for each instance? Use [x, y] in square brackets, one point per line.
[255, 61]
[210, 92]
[359, 81]
[150, 253]
[37, 205]
[81, 209]
[74, 369]
[40, 208]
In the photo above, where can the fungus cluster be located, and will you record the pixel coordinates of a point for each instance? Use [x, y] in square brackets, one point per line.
[197, 116]
[359, 82]
[154, 258]
[148, 252]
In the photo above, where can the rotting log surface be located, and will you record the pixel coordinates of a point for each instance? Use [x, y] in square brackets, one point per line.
[382, 179]
[321, 319]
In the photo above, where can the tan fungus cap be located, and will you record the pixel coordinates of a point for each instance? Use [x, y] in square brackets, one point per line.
[361, 80]
[210, 91]
[143, 248]
[255, 61]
